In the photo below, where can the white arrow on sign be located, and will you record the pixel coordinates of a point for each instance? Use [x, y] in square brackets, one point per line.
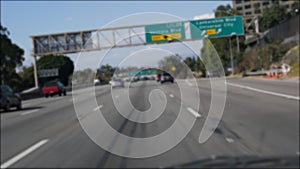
[203, 32]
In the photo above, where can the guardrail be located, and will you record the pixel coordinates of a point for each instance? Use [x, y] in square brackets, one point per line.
[258, 73]
[272, 72]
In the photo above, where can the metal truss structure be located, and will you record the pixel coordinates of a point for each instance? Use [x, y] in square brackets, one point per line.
[88, 40]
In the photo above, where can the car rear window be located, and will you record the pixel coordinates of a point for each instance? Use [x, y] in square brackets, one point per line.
[50, 84]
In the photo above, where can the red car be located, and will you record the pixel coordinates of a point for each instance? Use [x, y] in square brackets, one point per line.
[55, 87]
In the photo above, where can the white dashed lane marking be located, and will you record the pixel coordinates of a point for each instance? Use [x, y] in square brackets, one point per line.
[229, 140]
[196, 114]
[23, 154]
[97, 108]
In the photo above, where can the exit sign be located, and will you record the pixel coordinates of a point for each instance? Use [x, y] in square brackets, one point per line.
[165, 32]
[217, 27]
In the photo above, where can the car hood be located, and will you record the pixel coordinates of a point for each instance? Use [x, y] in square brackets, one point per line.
[242, 161]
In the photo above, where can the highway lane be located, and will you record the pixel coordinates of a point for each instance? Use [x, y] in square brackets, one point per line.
[253, 124]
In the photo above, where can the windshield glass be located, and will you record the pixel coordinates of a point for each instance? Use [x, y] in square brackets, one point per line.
[48, 84]
[154, 84]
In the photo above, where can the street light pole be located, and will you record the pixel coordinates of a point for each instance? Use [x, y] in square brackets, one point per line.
[238, 44]
[36, 82]
[231, 56]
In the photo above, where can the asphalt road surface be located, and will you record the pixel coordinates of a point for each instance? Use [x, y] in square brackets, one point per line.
[260, 119]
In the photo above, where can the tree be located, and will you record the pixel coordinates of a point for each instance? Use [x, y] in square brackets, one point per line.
[11, 57]
[190, 62]
[84, 77]
[272, 16]
[105, 73]
[222, 44]
[27, 77]
[167, 63]
[225, 10]
[63, 63]
[196, 65]
[295, 8]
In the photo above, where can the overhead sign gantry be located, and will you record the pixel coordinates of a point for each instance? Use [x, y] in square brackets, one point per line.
[99, 39]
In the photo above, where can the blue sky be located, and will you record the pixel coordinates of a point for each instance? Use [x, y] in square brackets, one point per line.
[33, 18]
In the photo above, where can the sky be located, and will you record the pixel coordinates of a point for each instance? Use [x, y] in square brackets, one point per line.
[25, 18]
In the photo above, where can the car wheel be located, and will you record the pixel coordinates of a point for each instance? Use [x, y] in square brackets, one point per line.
[46, 95]
[161, 82]
[19, 106]
[65, 93]
[59, 93]
[7, 107]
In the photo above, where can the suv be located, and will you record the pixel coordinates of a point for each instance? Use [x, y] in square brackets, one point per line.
[166, 77]
[8, 98]
[54, 87]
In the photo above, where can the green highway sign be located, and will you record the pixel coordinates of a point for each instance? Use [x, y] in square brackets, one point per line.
[165, 32]
[217, 27]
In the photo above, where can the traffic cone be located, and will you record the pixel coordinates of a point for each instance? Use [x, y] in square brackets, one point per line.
[276, 75]
[268, 75]
[273, 75]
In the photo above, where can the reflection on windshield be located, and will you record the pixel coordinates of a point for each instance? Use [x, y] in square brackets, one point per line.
[212, 85]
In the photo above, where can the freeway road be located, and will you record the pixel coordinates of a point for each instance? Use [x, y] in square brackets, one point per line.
[260, 119]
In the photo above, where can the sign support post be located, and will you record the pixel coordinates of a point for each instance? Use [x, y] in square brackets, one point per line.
[231, 56]
[36, 82]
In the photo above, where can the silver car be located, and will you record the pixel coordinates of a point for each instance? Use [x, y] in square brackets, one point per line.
[116, 82]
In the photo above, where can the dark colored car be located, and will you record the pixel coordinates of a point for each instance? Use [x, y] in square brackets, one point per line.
[145, 78]
[54, 87]
[8, 98]
[166, 77]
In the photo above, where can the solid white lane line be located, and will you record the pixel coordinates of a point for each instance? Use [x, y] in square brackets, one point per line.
[229, 140]
[97, 108]
[193, 112]
[264, 91]
[171, 95]
[29, 112]
[23, 154]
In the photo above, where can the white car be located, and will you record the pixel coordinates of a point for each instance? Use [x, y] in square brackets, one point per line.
[97, 82]
[115, 82]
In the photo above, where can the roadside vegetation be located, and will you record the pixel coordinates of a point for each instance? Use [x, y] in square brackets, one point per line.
[292, 58]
